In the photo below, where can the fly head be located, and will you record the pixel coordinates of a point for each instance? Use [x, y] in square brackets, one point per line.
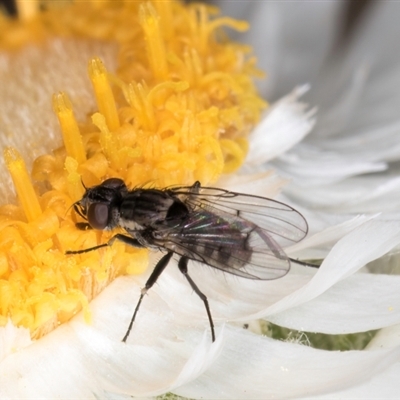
[100, 204]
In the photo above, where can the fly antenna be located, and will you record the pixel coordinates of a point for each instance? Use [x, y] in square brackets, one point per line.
[66, 212]
[83, 183]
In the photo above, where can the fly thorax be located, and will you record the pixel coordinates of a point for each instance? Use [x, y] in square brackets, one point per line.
[149, 208]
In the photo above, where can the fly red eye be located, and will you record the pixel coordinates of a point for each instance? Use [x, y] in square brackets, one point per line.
[98, 216]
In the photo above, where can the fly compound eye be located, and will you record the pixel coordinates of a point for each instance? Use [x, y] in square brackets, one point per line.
[97, 216]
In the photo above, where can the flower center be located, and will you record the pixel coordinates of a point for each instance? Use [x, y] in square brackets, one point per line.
[177, 110]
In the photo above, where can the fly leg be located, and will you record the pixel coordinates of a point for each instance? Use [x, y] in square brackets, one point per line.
[122, 238]
[158, 269]
[195, 187]
[305, 264]
[182, 265]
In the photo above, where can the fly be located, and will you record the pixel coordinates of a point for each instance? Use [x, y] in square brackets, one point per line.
[233, 232]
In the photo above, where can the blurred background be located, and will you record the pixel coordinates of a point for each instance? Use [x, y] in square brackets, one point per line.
[352, 10]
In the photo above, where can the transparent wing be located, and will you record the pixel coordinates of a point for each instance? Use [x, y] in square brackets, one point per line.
[236, 233]
[278, 220]
[229, 244]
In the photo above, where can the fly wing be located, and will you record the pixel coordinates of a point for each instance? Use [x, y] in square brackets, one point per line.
[278, 221]
[228, 243]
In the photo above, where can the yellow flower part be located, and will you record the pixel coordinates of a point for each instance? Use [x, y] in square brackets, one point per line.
[177, 110]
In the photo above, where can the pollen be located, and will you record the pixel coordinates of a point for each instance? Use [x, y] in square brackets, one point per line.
[177, 109]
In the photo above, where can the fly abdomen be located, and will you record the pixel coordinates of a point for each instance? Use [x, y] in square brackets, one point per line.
[215, 240]
[217, 251]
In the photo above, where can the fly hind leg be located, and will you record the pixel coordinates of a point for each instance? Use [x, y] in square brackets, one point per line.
[182, 265]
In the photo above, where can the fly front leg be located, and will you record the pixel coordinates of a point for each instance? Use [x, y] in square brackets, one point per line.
[158, 269]
[83, 226]
[122, 238]
[182, 265]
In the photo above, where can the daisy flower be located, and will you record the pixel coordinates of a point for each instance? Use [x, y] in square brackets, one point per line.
[169, 100]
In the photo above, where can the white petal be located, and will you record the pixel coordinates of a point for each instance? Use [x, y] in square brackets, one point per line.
[13, 339]
[386, 338]
[201, 360]
[255, 367]
[357, 125]
[382, 385]
[287, 301]
[359, 194]
[230, 297]
[95, 360]
[266, 183]
[284, 125]
[357, 304]
[46, 369]
[318, 246]
[376, 144]
[173, 353]
[310, 165]
[366, 243]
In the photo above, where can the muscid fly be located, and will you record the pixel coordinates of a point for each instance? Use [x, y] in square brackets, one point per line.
[233, 232]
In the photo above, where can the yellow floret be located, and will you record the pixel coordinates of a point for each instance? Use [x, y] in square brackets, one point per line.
[178, 109]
